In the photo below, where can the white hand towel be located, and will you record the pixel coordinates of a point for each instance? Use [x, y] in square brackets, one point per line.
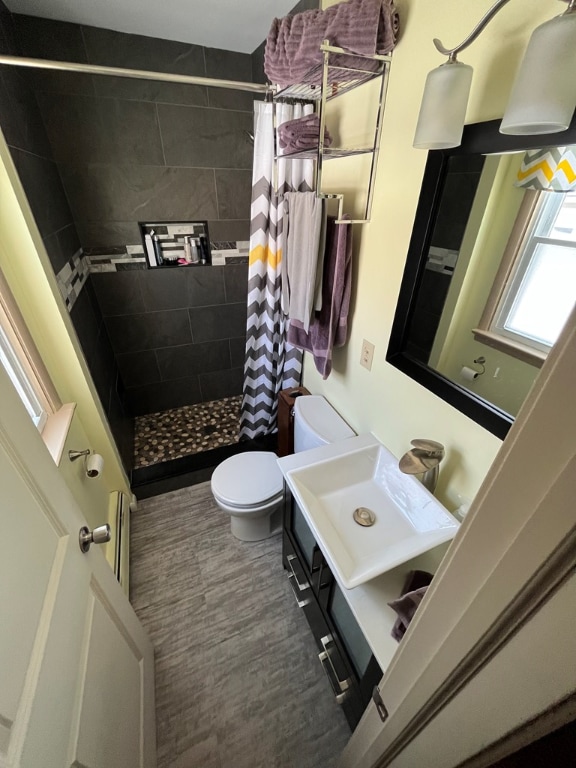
[305, 214]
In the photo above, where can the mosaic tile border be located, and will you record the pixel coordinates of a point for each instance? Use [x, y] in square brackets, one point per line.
[74, 273]
[72, 277]
[132, 256]
[116, 259]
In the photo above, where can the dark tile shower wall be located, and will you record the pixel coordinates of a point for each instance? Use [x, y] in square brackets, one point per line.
[130, 150]
[24, 131]
[26, 137]
[134, 150]
[460, 185]
[93, 334]
[178, 334]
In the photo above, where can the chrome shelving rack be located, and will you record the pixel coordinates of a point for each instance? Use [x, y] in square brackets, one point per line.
[327, 81]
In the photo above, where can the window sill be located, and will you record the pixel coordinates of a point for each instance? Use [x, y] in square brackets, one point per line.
[512, 348]
[56, 430]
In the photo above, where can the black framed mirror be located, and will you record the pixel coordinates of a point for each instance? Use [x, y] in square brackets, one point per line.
[449, 198]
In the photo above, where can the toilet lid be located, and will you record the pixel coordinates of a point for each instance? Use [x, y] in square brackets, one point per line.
[248, 478]
[320, 420]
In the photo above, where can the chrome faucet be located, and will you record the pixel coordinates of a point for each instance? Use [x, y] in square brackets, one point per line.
[423, 461]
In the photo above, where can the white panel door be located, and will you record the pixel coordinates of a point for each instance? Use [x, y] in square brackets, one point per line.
[76, 667]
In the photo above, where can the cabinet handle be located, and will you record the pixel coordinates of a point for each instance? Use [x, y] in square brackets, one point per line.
[301, 586]
[324, 572]
[339, 687]
[335, 684]
[299, 603]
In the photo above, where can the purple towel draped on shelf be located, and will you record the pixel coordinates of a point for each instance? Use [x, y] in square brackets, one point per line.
[364, 27]
[302, 133]
[329, 326]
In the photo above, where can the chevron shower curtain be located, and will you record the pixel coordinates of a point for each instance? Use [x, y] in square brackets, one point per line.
[549, 170]
[271, 364]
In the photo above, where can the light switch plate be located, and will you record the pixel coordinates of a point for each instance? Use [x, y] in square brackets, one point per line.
[367, 355]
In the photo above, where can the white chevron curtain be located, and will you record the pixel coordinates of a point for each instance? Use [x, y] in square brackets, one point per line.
[271, 363]
[549, 170]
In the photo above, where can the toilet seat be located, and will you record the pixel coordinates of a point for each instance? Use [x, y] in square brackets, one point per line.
[245, 512]
[250, 481]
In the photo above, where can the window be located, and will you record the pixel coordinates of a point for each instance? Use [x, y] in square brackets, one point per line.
[531, 303]
[9, 359]
[22, 362]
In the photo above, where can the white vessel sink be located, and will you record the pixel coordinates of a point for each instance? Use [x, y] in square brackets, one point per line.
[361, 472]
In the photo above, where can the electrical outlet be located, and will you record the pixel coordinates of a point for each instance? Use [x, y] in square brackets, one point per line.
[367, 355]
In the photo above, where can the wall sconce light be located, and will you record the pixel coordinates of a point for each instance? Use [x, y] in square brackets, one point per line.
[543, 97]
[93, 461]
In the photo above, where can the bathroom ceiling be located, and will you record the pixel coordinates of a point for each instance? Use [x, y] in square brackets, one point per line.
[234, 25]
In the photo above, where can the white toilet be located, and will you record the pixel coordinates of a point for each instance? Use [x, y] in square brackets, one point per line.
[249, 486]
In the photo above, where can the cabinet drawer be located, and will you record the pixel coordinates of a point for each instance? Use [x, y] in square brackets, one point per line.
[339, 673]
[301, 536]
[349, 633]
[343, 651]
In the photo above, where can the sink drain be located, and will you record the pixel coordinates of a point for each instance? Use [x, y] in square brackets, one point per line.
[364, 516]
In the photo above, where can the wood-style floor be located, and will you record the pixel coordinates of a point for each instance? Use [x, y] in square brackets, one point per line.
[238, 682]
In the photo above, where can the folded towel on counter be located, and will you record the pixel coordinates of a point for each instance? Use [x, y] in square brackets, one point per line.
[365, 27]
[329, 326]
[407, 605]
[304, 215]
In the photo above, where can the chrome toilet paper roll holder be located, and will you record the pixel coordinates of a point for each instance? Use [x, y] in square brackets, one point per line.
[94, 466]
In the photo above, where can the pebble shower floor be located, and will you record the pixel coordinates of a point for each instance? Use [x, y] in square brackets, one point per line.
[183, 431]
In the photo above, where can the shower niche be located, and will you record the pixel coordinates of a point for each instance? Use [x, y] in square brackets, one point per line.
[169, 244]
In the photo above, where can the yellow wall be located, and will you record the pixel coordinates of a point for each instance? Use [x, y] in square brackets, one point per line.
[27, 269]
[384, 400]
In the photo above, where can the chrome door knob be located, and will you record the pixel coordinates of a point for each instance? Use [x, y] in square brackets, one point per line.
[99, 535]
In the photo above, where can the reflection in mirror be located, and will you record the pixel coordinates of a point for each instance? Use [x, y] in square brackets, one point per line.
[491, 274]
[496, 227]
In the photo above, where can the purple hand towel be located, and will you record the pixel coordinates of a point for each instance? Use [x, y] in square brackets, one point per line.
[308, 142]
[329, 326]
[365, 27]
[302, 133]
[407, 605]
[299, 125]
[302, 142]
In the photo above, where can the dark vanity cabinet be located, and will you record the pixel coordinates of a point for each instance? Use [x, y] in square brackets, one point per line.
[343, 651]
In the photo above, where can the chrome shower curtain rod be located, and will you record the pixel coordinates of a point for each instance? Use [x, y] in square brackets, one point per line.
[138, 74]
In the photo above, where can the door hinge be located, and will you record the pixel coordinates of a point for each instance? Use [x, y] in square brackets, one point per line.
[381, 708]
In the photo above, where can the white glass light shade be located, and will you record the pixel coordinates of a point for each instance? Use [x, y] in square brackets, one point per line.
[443, 108]
[543, 98]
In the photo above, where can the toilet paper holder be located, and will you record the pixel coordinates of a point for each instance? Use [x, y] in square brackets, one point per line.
[471, 374]
[482, 362]
[93, 461]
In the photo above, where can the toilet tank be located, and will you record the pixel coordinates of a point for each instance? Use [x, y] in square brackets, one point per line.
[317, 423]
